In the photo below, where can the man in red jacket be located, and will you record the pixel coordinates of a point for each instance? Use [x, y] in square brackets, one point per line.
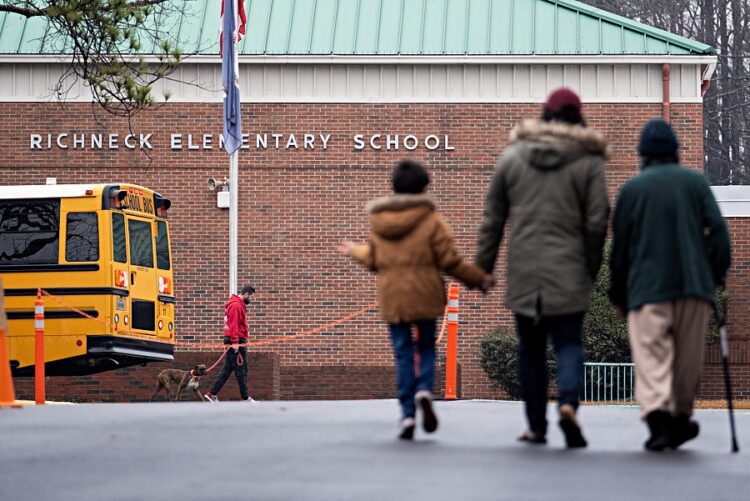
[235, 335]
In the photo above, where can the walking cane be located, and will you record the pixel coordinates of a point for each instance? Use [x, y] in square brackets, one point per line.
[721, 321]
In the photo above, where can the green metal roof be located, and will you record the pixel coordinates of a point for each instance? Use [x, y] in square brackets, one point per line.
[398, 27]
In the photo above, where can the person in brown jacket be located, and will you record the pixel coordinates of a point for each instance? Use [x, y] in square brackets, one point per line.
[550, 184]
[410, 244]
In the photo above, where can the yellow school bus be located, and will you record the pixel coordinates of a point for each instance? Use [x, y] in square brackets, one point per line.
[101, 249]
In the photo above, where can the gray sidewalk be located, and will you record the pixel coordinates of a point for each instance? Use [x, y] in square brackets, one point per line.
[347, 450]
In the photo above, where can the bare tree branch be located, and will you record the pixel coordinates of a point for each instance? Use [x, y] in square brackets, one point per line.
[103, 42]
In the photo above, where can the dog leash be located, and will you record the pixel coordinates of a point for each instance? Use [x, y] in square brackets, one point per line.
[240, 360]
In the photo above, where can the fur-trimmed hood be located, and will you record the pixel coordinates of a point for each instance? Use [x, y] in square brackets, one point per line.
[395, 216]
[550, 145]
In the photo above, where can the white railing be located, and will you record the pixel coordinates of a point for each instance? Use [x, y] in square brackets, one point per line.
[607, 382]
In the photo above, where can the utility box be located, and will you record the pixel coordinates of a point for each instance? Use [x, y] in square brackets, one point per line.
[222, 199]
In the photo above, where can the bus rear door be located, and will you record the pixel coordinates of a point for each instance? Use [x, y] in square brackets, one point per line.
[142, 270]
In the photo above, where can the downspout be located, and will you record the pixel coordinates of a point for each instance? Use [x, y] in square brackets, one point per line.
[665, 70]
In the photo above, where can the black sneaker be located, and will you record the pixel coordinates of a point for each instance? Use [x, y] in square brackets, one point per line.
[429, 419]
[659, 423]
[407, 428]
[570, 427]
[530, 437]
[683, 429]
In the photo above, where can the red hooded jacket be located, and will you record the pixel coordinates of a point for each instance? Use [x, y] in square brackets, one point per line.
[235, 320]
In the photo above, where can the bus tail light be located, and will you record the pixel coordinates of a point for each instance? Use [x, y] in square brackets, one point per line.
[165, 286]
[117, 198]
[121, 278]
[162, 205]
[161, 325]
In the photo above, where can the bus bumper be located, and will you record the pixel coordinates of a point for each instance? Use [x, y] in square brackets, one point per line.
[106, 353]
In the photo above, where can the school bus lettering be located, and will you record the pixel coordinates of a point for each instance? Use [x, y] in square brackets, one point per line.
[148, 205]
[134, 203]
[139, 203]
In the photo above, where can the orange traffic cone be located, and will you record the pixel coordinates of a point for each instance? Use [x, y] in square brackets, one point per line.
[7, 395]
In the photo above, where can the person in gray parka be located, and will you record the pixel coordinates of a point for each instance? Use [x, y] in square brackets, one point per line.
[550, 184]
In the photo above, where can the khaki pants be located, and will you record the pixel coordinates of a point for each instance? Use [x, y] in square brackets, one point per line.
[667, 341]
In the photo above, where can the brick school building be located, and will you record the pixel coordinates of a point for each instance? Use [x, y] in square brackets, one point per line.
[333, 93]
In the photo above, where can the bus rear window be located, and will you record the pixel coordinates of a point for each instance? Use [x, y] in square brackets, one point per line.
[162, 246]
[29, 232]
[119, 252]
[141, 243]
[82, 237]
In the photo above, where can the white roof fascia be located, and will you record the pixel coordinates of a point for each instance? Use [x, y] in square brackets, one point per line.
[22, 192]
[734, 201]
[397, 59]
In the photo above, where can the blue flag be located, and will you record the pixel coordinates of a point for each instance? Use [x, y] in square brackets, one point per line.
[230, 76]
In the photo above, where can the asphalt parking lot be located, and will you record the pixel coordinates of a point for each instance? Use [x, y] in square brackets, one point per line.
[347, 450]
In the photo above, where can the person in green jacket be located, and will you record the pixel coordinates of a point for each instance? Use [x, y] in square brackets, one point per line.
[670, 251]
[550, 184]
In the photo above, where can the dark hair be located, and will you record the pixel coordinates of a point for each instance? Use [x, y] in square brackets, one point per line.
[248, 289]
[409, 177]
[670, 158]
[568, 114]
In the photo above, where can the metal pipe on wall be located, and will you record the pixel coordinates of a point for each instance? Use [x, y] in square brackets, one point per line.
[665, 105]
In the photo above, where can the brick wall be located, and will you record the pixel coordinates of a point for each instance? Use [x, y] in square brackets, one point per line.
[738, 322]
[134, 384]
[295, 206]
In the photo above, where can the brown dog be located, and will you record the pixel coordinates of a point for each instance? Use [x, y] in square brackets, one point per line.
[183, 379]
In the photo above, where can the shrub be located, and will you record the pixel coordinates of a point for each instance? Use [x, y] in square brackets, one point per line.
[722, 299]
[605, 332]
[499, 359]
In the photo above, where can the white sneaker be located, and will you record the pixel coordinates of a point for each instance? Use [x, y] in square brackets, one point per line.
[407, 428]
[211, 398]
[250, 399]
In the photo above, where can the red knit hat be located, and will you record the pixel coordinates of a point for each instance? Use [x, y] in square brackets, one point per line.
[562, 98]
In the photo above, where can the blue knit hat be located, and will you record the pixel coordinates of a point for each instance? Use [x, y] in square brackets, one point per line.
[657, 139]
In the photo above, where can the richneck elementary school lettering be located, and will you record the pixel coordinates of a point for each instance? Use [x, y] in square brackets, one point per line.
[258, 141]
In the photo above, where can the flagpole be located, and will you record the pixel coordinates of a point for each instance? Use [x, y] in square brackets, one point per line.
[233, 217]
[233, 20]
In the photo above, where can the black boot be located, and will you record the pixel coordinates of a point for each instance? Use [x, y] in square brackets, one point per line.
[659, 422]
[683, 429]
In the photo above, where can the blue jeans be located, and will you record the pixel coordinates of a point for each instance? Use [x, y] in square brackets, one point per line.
[408, 384]
[566, 332]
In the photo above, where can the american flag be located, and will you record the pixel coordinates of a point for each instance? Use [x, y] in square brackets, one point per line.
[231, 32]
[239, 6]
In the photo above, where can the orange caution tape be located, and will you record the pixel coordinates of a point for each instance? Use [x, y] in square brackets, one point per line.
[291, 337]
[102, 322]
[445, 315]
[263, 342]
[442, 327]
